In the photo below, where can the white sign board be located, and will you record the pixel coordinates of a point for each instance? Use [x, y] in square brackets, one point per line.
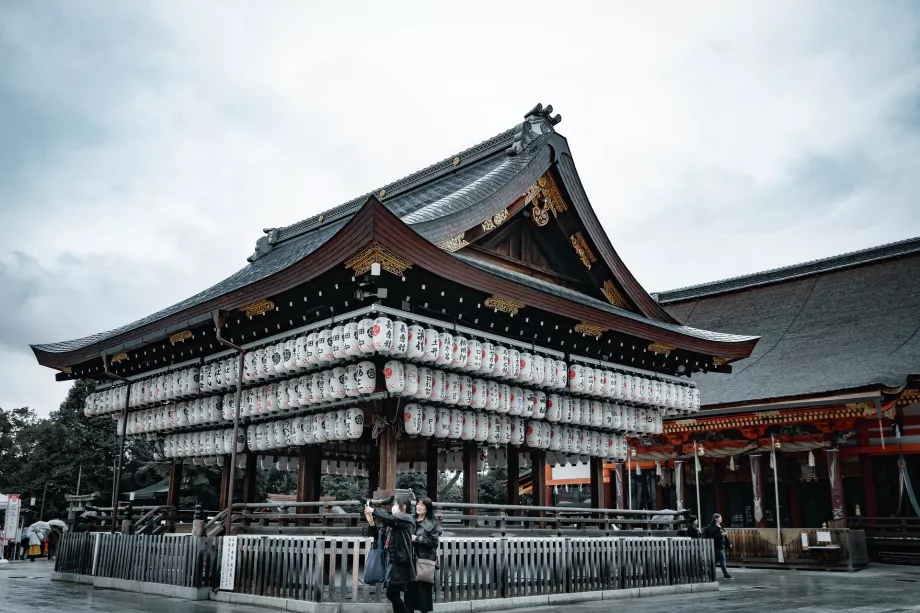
[823, 536]
[228, 563]
[805, 540]
[11, 525]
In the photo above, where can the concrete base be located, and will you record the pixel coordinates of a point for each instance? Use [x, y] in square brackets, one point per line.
[463, 606]
[157, 589]
[72, 578]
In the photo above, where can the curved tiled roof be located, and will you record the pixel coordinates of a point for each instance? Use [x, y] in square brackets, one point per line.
[776, 275]
[851, 323]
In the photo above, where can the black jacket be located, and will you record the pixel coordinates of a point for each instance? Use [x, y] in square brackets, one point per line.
[693, 531]
[427, 535]
[717, 534]
[399, 529]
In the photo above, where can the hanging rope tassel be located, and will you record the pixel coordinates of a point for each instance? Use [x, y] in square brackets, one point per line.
[658, 468]
[731, 463]
[772, 457]
[811, 458]
[638, 469]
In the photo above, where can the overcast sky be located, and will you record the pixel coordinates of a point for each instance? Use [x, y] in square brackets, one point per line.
[143, 146]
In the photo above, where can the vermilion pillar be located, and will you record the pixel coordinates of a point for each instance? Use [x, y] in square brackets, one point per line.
[718, 475]
[598, 497]
[795, 494]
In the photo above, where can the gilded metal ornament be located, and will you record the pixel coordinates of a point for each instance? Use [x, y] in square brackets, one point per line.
[455, 161]
[119, 358]
[546, 199]
[505, 305]
[455, 243]
[613, 295]
[719, 361]
[590, 329]
[495, 221]
[180, 336]
[258, 308]
[583, 250]
[661, 348]
[375, 253]
[65, 369]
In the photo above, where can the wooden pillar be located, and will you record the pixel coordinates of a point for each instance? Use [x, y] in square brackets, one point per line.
[718, 477]
[249, 478]
[175, 483]
[538, 476]
[867, 476]
[757, 485]
[387, 468]
[432, 470]
[470, 477]
[224, 483]
[309, 474]
[598, 495]
[794, 485]
[514, 477]
[620, 485]
[838, 504]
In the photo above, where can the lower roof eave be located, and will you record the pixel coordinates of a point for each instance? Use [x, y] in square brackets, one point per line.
[874, 395]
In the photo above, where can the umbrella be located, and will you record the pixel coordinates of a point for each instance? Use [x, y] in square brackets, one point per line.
[42, 528]
[57, 523]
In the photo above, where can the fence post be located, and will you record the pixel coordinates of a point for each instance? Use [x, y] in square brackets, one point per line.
[319, 556]
[569, 579]
[503, 568]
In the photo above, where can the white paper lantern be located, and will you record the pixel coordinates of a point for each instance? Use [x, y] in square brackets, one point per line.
[468, 430]
[473, 355]
[312, 350]
[517, 431]
[445, 349]
[400, 344]
[459, 352]
[456, 424]
[329, 426]
[425, 383]
[576, 412]
[270, 399]
[577, 378]
[429, 421]
[516, 402]
[439, 386]
[367, 377]
[504, 398]
[340, 425]
[431, 345]
[465, 397]
[525, 370]
[339, 348]
[481, 423]
[412, 415]
[553, 408]
[539, 369]
[415, 346]
[305, 430]
[366, 336]
[319, 428]
[411, 377]
[530, 401]
[394, 374]
[493, 399]
[452, 389]
[442, 426]
[478, 393]
[487, 367]
[494, 426]
[540, 405]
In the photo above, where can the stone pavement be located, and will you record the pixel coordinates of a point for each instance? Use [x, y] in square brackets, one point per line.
[26, 587]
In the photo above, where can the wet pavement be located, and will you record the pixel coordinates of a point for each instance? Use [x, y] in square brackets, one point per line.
[26, 586]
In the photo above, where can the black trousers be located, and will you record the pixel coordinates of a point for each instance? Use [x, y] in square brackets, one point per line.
[395, 596]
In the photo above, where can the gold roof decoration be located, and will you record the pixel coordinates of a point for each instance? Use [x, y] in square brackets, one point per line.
[583, 250]
[454, 243]
[546, 199]
[613, 295]
[495, 221]
[590, 329]
[119, 357]
[260, 307]
[375, 253]
[505, 305]
[180, 336]
[661, 348]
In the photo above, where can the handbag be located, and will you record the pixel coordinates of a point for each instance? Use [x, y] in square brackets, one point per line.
[375, 565]
[424, 570]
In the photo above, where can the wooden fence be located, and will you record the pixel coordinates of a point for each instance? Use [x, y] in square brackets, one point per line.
[174, 560]
[331, 568]
[75, 553]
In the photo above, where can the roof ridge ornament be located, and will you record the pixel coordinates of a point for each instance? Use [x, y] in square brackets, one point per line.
[537, 121]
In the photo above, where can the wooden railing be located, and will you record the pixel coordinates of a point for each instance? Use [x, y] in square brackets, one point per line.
[330, 569]
[890, 539]
[752, 545]
[305, 518]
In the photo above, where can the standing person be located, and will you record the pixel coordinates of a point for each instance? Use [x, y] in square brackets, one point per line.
[24, 547]
[425, 539]
[720, 542]
[693, 528]
[54, 538]
[398, 530]
[35, 545]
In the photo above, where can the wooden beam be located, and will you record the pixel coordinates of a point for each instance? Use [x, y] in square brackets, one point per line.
[175, 483]
[249, 478]
[471, 477]
[224, 483]
[514, 477]
[309, 473]
[387, 470]
[431, 470]
[538, 476]
[867, 476]
[598, 495]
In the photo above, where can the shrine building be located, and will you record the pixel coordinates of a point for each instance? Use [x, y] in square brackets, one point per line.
[477, 312]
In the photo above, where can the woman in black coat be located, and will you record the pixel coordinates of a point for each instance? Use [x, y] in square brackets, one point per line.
[425, 539]
[399, 527]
